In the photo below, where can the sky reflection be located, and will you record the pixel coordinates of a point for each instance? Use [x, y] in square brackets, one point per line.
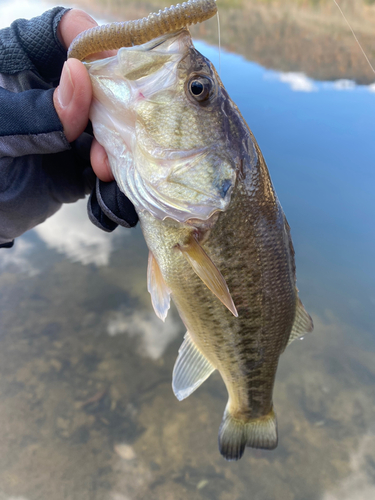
[320, 151]
[70, 232]
[77, 326]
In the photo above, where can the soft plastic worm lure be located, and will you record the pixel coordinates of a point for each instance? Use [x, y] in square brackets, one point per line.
[129, 33]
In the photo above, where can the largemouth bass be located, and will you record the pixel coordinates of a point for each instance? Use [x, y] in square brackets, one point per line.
[219, 241]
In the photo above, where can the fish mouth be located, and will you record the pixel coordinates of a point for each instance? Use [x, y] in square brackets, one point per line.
[157, 42]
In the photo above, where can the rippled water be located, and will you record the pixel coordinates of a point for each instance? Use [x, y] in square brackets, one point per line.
[86, 405]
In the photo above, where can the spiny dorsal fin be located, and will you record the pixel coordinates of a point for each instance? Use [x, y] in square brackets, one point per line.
[302, 323]
[160, 294]
[190, 370]
[208, 273]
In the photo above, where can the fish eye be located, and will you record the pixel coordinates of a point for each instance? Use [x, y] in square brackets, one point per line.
[200, 87]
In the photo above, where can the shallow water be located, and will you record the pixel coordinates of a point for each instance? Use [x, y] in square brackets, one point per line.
[86, 405]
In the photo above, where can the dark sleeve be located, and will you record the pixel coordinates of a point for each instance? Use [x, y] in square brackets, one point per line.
[33, 45]
[39, 169]
[29, 124]
[31, 61]
[33, 190]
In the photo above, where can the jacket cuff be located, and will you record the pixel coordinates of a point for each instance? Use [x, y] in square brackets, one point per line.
[7, 245]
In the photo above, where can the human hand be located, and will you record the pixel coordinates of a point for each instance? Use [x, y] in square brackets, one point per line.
[44, 144]
[73, 96]
[107, 206]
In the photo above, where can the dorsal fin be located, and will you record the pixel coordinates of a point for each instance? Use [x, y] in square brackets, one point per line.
[208, 273]
[302, 323]
[191, 369]
[160, 294]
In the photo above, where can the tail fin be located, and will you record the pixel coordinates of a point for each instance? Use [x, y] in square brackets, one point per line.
[235, 434]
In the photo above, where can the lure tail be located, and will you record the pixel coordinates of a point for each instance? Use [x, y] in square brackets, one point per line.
[235, 434]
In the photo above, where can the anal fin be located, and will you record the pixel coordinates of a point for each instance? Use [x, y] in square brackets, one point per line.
[191, 369]
[207, 271]
[160, 294]
[302, 323]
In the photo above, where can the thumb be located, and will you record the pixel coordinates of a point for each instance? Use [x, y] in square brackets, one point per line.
[72, 98]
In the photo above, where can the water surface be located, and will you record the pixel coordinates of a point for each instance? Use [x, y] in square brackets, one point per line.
[86, 404]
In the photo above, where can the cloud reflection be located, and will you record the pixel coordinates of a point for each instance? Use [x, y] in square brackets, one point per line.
[70, 232]
[359, 485]
[298, 82]
[343, 85]
[154, 335]
[18, 257]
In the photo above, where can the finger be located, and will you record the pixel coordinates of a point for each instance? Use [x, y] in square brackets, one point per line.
[72, 98]
[72, 24]
[100, 163]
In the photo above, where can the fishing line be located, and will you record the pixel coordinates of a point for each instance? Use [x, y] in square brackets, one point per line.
[355, 37]
[218, 31]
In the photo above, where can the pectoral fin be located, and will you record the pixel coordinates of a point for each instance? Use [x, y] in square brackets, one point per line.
[208, 273]
[302, 323]
[191, 369]
[160, 294]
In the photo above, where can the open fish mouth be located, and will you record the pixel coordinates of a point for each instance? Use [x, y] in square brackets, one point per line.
[155, 163]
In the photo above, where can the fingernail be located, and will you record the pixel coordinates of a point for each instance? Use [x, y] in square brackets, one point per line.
[66, 88]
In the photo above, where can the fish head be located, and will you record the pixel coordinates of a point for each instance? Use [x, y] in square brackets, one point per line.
[171, 132]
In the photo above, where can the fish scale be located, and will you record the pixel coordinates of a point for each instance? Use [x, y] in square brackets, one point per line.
[211, 325]
[219, 242]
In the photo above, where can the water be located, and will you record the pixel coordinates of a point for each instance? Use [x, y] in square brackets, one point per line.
[86, 406]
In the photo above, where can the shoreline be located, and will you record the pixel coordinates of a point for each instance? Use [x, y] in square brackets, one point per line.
[289, 36]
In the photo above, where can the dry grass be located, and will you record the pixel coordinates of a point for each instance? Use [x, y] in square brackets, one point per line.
[289, 35]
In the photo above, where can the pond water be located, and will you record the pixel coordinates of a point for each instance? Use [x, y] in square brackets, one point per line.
[86, 405]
